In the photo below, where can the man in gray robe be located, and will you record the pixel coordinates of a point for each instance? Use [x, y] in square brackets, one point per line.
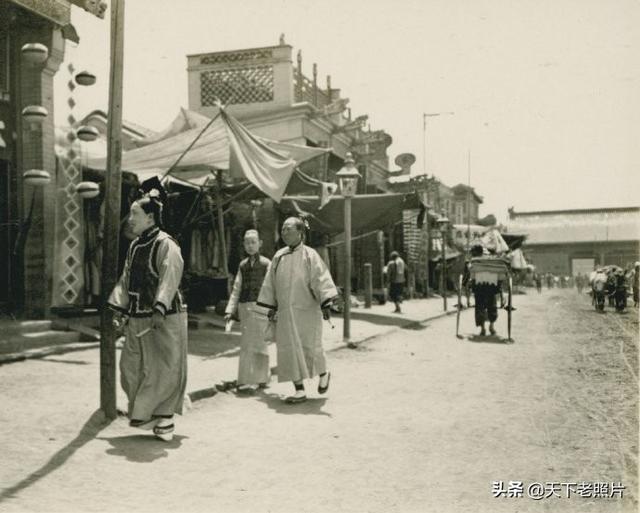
[153, 363]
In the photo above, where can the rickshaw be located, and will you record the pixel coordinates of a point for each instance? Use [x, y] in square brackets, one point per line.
[488, 269]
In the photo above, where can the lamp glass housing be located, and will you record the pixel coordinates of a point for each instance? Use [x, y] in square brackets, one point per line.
[443, 224]
[348, 178]
[348, 185]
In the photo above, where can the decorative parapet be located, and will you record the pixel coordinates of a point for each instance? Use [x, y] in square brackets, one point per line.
[238, 56]
[261, 76]
[307, 90]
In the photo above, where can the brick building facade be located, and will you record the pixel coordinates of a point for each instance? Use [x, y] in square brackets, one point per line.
[568, 242]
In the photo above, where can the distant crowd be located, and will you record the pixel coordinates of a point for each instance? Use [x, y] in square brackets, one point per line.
[612, 282]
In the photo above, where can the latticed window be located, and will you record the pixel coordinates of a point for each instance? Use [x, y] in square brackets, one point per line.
[252, 84]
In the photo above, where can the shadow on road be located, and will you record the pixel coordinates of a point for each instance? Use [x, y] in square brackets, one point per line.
[213, 344]
[312, 406]
[489, 339]
[60, 360]
[88, 432]
[142, 448]
[415, 326]
[386, 320]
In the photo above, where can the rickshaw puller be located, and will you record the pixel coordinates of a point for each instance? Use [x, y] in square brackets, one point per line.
[486, 308]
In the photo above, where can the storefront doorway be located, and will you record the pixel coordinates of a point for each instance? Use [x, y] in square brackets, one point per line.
[582, 266]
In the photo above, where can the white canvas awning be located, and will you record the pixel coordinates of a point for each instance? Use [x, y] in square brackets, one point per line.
[225, 145]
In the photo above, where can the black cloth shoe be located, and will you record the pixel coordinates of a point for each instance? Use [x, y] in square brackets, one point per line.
[144, 424]
[321, 389]
[295, 399]
[225, 386]
[164, 432]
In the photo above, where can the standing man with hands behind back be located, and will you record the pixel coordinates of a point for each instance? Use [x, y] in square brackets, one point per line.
[298, 290]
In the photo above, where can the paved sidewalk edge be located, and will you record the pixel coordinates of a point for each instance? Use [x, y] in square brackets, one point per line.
[42, 352]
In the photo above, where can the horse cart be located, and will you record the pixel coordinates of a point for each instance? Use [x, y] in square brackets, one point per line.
[491, 270]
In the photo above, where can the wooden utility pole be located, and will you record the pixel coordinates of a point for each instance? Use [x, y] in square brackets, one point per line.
[112, 213]
[468, 201]
[381, 256]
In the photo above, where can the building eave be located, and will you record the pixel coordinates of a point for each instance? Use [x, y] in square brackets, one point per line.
[613, 210]
[237, 50]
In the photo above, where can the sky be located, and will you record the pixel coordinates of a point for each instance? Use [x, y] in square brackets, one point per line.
[544, 93]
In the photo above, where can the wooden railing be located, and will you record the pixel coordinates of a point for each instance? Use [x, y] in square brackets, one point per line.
[305, 91]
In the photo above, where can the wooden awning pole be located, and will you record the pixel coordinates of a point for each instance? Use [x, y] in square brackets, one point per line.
[221, 234]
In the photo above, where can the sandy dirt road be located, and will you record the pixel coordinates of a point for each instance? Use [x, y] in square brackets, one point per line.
[415, 421]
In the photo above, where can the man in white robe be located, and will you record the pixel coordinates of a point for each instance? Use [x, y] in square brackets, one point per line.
[298, 290]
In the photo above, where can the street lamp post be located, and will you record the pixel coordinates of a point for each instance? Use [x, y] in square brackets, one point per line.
[443, 224]
[426, 115]
[348, 183]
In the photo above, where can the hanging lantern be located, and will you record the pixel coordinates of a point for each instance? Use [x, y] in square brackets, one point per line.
[87, 133]
[34, 114]
[35, 53]
[88, 190]
[37, 177]
[348, 177]
[85, 78]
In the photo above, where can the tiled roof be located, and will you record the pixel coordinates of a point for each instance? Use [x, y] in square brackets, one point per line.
[570, 226]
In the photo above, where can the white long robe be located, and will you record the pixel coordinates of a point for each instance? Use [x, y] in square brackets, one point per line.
[253, 362]
[297, 285]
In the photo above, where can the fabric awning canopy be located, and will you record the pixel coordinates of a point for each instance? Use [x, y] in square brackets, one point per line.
[518, 260]
[226, 145]
[436, 251]
[368, 211]
[514, 241]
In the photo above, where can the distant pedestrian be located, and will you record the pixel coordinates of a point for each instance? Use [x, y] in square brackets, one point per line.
[549, 280]
[396, 277]
[153, 364]
[635, 284]
[538, 280]
[253, 364]
[298, 291]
